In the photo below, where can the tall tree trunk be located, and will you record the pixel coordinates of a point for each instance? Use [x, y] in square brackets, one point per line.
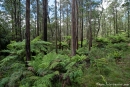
[128, 24]
[63, 19]
[19, 21]
[99, 19]
[20, 24]
[35, 29]
[56, 23]
[37, 17]
[27, 34]
[60, 26]
[67, 20]
[15, 19]
[45, 6]
[90, 28]
[116, 22]
[82, 26]
[12, 16]
[73, 32]
[77, 23]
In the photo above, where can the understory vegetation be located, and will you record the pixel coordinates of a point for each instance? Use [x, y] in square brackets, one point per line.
[106, 63]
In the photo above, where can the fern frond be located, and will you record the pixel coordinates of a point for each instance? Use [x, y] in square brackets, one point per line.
[4, 81]
[25, 85]
[44, 81]
[14, 78]
[7, 59]
[34, 78]
[5, 51]
[53, 65]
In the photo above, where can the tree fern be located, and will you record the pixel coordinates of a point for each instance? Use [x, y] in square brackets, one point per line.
[43, 70]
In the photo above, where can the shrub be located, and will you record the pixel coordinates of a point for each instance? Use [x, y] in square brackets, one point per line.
[82, 51]
[117, 38]
[101, 42]
[119, 46]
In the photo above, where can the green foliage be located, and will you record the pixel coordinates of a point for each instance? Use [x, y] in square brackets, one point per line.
[97, 53]
[4, 81]
[118, 38]
[54, 64]
[13, 64]
[101, 42]
[12, 74]
[82, 51]
[64, 52]
[66, 42]
[119, 46]
[57, 70]
[117, 54]
[84, 42]
[4, 37]
[101, 65]
[37, 45]
[67, 38]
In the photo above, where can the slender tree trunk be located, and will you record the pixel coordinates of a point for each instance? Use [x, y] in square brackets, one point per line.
[128, 24]
[90, 28]
[27, 34]
[45, 6]
[63, 21]
[60, 26]
[99, 19]
[15, 19]
[73, 32]
[98, 27]
[116, 23]
[67, 20]
[12, 16]
[35, 29]
[20, 20]
[37, 17]
[82, 26]
[77, 23]
[56, 23]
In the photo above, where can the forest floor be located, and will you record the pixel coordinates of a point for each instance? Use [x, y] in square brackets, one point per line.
[106, 65]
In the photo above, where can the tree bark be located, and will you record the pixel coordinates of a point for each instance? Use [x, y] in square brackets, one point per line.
[45, 6]
[90, 28]
[60, 26]
[77, 23]
[27, 34]
[128, 25]
[37, 17]
[73, 32]
[82, 26]
[56, 23]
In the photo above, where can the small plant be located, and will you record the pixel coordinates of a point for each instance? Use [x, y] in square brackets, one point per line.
[117, 56]
[97, 53]
[119, 46]
[118, 38]
[101, 65]
[82, 51]
[101, 42]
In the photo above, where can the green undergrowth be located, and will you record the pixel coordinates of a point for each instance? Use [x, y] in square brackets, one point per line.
[107, 63]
